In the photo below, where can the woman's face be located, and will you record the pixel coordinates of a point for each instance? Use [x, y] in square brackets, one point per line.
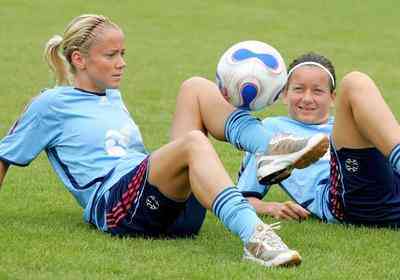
[104, 65]
[308, 95]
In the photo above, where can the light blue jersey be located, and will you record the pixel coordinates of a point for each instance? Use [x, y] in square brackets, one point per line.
[91, 141]
[309, 186]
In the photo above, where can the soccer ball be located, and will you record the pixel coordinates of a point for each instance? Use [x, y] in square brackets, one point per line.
[251, 75]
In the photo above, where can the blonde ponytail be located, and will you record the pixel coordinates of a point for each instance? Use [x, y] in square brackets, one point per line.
[56, 60]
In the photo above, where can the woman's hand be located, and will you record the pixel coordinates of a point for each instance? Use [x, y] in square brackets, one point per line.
[288, 210]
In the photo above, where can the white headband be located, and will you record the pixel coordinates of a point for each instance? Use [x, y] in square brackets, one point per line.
[315, 64]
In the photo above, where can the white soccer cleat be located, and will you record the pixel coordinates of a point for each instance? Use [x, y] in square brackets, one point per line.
[288, 152]
[266, 248]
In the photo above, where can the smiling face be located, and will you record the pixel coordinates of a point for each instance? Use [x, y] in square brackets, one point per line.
[103, 66]
[308, 95]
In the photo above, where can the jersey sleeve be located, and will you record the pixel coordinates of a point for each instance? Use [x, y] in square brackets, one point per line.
[31, 133]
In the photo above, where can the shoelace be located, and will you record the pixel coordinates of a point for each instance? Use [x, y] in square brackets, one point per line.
[287, 145]
[276, 226]
[271, 237]
[278, 137]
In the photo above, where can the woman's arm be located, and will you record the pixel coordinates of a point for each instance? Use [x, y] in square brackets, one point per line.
[287, 210]
[3, 171]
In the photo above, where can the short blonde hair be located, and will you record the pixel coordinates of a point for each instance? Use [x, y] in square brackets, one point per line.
[78, 35]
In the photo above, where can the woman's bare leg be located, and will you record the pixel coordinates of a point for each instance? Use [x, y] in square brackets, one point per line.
[200, 106]
[363, 119]
[189, 159]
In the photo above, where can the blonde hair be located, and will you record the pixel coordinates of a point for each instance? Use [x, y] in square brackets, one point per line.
[78, 35]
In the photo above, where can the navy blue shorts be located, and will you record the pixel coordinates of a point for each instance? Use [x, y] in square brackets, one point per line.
[364, 190]
[135, 207]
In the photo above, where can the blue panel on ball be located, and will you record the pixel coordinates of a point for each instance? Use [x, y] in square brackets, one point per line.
[268, 60]
[248, 93]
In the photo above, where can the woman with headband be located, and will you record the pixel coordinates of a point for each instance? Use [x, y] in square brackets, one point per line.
[358, 181]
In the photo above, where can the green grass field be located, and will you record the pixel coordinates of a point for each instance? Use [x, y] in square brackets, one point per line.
[42, 234]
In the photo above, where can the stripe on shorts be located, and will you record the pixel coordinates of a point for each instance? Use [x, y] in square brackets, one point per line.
[120, 210]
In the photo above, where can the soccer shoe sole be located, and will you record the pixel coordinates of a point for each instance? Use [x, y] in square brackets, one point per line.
[286, 259]
[276, 172]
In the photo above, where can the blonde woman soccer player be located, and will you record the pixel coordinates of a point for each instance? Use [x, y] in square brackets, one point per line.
[358, 182]
[96, 148]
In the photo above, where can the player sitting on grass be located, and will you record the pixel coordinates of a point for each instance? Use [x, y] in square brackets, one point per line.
[97, 151]
[358, 182]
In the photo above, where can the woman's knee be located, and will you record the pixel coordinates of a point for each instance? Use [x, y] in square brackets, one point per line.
[197, 142]
[355, 83]
[197, 137]
[197, 85]
[193, 84]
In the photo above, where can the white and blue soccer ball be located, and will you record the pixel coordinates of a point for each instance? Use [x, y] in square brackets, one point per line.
[251, 75]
